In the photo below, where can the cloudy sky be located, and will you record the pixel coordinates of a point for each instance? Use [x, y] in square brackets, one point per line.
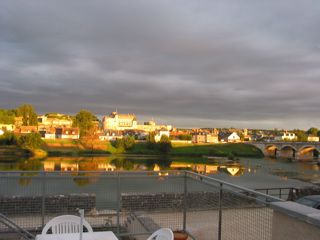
[205, 63]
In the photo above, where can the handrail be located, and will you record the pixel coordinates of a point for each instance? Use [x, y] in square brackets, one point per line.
[10, 224]
[234, 186]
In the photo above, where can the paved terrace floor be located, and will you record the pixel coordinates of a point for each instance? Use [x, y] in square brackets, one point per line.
[249, 224]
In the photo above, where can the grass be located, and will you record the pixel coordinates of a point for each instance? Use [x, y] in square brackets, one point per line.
[67, 147]
[223, 150]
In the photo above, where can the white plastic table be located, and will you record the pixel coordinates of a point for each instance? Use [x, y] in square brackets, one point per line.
[108, 235]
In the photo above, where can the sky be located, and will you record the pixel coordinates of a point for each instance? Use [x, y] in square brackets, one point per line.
[204, 63]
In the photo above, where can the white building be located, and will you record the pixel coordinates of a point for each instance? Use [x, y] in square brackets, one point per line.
[57, 120]
[160, 133]
[234, 137]
[313, 138]
[286, 136]
[119, 122]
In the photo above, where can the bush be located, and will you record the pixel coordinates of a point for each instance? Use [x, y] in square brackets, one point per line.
[128, 142]
[125, 143]
[186, 137]
[151, 142]
[8, 138]
[164, 144]
[30, 141]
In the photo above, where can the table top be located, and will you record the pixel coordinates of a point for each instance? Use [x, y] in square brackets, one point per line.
[108, 235]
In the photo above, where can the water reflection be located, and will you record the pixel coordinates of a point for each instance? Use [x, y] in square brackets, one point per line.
[306, 171]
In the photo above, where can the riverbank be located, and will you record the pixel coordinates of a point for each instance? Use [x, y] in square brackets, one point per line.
[12, 152]
[8, 152]
[66, 147]
[80, 148]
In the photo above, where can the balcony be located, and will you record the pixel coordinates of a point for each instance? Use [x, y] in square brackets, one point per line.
[134, 204]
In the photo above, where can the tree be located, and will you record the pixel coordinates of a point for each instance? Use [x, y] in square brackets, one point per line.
[186, 137]
[8, 138]
[125, 143]
[128, 142]
[84, 121]
[301, 135]
[28, 114]
[164, 144]
[151, 142]
[30, 141]
[313, 131]
[7, 116]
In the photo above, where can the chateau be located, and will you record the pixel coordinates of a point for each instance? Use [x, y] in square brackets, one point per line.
[120, 122]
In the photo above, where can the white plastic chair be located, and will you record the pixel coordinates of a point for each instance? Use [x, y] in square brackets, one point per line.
[162, 234]
[65, 224]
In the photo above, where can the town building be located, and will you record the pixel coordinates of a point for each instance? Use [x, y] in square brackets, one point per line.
[313, 138]
[205, 138]
[229, 137]
[59, 132]
[7, 127]
[286, 136]
[26, 129]
[47, 132]
[121, 122]
[161, 133]
[67, 133]
[234, 137]
[54, 120]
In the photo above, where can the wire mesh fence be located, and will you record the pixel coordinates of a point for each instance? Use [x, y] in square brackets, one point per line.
[137, 203]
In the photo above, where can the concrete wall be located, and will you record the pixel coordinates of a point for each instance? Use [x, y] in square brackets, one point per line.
[294, 221]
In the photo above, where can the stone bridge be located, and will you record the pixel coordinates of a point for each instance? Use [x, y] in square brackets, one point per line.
[293, 150]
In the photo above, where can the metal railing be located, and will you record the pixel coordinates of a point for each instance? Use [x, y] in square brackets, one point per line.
[285, 193]
[137, 203]
[15, 228]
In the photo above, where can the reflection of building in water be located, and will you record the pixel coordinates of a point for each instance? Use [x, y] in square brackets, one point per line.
[176, 165]
[49, 166]
[69, 166]
[199, 168]
[205, 169]
[106, 167]
[59, 165]
[233, 170]
[156, 168]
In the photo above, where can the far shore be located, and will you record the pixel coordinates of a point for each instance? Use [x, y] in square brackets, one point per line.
[66, 147]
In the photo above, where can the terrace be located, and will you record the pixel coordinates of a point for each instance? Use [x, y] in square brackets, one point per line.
[135, 204]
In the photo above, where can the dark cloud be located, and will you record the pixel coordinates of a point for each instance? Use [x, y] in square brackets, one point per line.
[205, 63]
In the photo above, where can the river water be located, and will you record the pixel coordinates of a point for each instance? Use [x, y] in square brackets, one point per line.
[249, 172]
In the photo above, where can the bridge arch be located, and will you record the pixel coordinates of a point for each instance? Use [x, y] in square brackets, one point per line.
[271, 150]
[308, 152]
[288, 151]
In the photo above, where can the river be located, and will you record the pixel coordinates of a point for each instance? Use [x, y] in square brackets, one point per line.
[249, 172]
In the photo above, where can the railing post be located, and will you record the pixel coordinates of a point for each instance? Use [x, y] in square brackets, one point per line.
[43, 197]
[185, 202]
[220, 212]
[118, 201]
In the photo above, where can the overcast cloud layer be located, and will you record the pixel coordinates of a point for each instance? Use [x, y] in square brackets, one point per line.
[198, 63]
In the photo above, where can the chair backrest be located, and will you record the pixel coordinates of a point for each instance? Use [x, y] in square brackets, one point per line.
[162, 234]
[65, 224]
